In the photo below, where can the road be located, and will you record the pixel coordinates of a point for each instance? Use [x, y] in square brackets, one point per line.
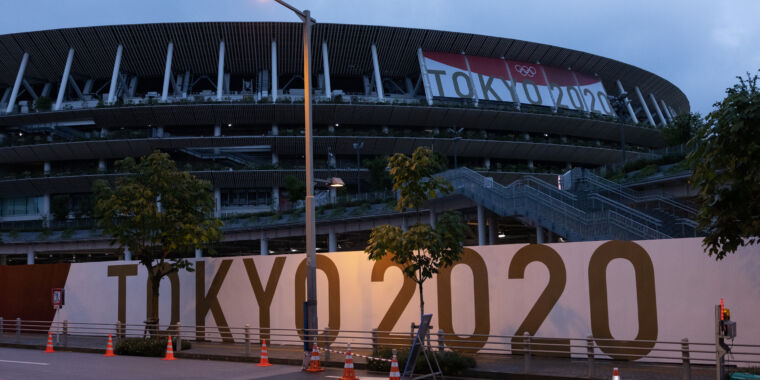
[24, 364]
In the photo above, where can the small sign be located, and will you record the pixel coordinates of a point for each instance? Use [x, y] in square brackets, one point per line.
[57, 298]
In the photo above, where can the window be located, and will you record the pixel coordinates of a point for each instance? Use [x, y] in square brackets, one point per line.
[20, 206]
[245, 197]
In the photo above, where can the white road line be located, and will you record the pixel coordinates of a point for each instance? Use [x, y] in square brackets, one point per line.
[363, 378]
[20, 362]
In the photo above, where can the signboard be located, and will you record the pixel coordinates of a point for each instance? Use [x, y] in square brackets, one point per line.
[493, 79]
[618, 292]
[56, 298]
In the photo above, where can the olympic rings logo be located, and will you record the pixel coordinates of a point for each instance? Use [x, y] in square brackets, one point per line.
[526, 71]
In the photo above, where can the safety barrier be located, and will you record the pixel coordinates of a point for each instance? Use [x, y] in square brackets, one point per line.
[365, 343]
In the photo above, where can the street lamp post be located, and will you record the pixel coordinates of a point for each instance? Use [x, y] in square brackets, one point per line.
[311, 247]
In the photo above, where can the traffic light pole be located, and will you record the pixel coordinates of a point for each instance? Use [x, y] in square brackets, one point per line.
[720, 352]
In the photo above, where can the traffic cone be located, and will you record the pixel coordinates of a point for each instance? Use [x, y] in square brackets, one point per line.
[348, 368]
[395, 374]
[109, 347]
[314, 365]
[49, 348]
[169, 350]
[615, 374]
[264, 361]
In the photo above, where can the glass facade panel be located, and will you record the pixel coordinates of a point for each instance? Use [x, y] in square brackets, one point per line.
[245, 197]
[20, 206]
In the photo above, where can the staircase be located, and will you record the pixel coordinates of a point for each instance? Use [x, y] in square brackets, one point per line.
[578, 216]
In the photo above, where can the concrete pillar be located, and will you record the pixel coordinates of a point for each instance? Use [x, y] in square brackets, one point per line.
[46, 168]
[127, 254]
[217, 203]
[220, 74]
[198, 253]
[378, 78]
[167, 71]
[275, 130]
[540, 238]
[481, 226]
[332, 240]
[17, 84]
[492, 229]
[275, 198]
[264, 246]
[628, 104]
[29, 257]
[333, 195]
[217, 130]
[644, 105]
[487, 163]
[275, 159]
[404, 224]
[115, 75]
[326, 67]
[433, 218]
[657, 109]
[64, 79]
[159, 131]
[274, 72]
[45, 212]
[530, 164]
[101, 165]
[103, 133]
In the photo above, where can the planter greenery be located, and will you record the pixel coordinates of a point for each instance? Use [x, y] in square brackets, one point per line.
[146, 347]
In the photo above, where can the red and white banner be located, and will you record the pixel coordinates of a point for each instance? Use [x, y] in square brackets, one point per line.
[493, 79]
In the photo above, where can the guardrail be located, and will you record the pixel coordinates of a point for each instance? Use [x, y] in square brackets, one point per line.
[593, 349]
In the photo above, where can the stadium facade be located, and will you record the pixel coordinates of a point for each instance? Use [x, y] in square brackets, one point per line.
[520, 124]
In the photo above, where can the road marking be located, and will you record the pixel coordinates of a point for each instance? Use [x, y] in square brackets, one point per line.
[363, 377]
[20, 362]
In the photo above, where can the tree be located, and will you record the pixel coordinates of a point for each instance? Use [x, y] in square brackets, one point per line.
[422, 250]
[726, 164]
[682, 129]
[296, 188]
[160, 214]
[379, 179]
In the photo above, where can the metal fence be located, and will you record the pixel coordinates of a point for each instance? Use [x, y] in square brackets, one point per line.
[525, 347]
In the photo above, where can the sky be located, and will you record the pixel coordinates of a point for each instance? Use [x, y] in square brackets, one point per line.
[698, 45]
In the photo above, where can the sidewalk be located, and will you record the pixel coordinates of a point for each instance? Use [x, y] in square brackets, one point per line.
[488, 366]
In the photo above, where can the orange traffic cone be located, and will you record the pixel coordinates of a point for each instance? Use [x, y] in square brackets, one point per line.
[169, 350]
[49, 348]
[109, 347]
[314, 365]
[348, 368]
[395, 374]
[264, 361]
[615, 374]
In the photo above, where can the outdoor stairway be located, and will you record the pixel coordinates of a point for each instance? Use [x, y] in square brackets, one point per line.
[578, 217]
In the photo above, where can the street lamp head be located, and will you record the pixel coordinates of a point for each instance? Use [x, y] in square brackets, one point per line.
[336, 182]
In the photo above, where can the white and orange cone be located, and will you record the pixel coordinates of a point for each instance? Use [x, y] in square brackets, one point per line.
[314, 365]
[109, 347]
[49, 348]
[348, 367]
[615, 374]
[264, 360]
[169, 350]
[395, 373]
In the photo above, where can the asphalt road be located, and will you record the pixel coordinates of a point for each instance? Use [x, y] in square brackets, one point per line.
[24, 364]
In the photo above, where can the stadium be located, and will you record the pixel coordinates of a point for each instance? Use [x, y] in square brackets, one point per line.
[527, 132]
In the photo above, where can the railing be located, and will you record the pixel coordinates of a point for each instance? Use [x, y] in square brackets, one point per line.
[240, 340]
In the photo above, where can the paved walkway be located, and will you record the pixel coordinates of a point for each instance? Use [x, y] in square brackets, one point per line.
[488, 366]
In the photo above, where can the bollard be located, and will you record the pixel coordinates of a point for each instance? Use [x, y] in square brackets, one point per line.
[65, 333]
[440, 340]
[327, 344]
[119, 333]
[686, 359]
[590, 355]
[411, 333]
[527, 352]
[247, 339]
[179, 337]
[18, 329]
[374, 341]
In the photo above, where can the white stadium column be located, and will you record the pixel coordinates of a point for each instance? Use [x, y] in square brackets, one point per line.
[198, 253]
[332, 240]
[6, 95]
[167, 71]
[644, 105]
[667, 111]
[220, 74]
[115, 75]
[378, 79]
[263, 245]
[217, 130]
[481, 226]
[17, 84]
[274, 72]
[64, 79]
[424, 75]
[46, 89]
[663, 122]
[628, 104]
[326, 67]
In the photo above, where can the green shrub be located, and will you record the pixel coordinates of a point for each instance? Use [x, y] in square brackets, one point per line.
[146, 347]
[452, 362]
